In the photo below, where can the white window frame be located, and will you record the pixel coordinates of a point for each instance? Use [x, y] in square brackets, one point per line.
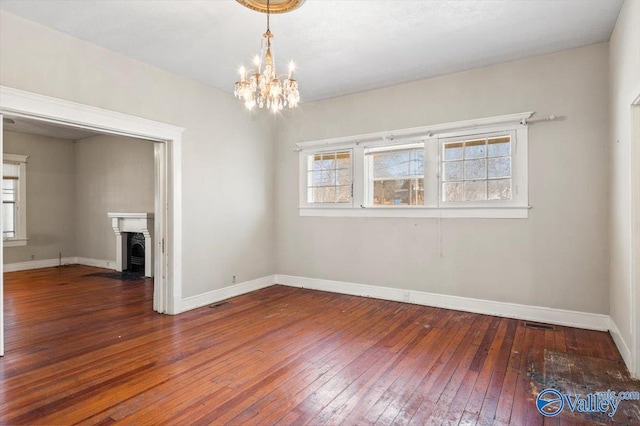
[20, 238]
[368, 170]
[432, 137]
[304, 184]
[518, 171]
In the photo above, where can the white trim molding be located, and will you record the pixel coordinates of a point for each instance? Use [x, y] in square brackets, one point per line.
[96, 263]
[634, 302]
[425, 212]
[210, 297]
[418, 132]
[49, 263]
[15, 242]
[38, 264]
[622, 346]
[15, 102]
[501, 309]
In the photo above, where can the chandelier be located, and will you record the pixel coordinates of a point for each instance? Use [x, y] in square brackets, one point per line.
[262, 86]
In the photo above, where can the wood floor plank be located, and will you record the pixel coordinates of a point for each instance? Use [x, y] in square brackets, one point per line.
[505, 402]
[87, 349]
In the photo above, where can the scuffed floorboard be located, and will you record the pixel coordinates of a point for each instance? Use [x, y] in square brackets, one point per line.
[578, 374]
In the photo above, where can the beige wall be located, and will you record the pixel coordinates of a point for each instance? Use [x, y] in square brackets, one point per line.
[113, 174]
[557, 258]
[227, 168]
[624, 62]
[50, 197]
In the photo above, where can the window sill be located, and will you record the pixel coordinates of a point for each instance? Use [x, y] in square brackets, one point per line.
[14, 242]
[426, 212]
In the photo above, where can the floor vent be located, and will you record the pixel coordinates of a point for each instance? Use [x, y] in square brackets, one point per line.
[217, 305]
[539, 326]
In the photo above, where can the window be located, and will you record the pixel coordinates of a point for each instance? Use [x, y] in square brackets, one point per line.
[14, 196]
[395, 175]
[329, 177]
[476, 168]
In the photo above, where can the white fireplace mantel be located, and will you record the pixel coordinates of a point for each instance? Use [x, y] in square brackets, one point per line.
[133, 222]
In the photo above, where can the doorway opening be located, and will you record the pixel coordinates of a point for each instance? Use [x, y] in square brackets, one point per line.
[167, 246]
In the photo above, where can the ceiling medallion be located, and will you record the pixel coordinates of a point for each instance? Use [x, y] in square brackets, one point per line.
[276, 6]
[261, 85]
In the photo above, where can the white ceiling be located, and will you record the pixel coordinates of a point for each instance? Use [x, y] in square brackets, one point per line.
[339, 46]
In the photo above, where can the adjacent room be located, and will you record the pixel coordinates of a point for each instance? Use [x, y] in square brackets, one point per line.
[320, 212]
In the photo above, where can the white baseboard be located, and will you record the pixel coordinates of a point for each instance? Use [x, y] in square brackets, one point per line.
[204, 299]
[37, 264]
[98, 263]
[48, 263]
[510, 310]
[622, 346]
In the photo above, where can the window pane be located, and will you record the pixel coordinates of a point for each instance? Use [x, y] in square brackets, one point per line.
[499, 189]
[315, 162]
[475, 169]
[8, 219]
[398, 192]
[475, 190]
[344, 194]
[394, 163]
[343, 160]
[324, 195]
[475, 149]
[11, 170]
[398, 163]
[452, 191]
[384, 192]
[9, 187]
[322, 178]
[499, 167]
[344, 177]
[453, 170]
[453, 151]
[417, 162]
[329, 177]
[500, 146]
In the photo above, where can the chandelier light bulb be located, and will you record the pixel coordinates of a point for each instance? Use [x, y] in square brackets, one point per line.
[264, 87]
[292, 68]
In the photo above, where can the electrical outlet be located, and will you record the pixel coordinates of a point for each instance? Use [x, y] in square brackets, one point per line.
[233, 280]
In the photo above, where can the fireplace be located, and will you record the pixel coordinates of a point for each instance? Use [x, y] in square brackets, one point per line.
[135, 252]
[134, 241]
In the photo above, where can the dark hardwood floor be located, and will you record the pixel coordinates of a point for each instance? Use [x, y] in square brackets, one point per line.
[87, 349]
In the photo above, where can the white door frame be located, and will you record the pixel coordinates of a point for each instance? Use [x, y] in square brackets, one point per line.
[167, 293]
[635, 237]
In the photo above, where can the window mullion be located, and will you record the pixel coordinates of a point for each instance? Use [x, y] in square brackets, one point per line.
[359, 164]
[432, 172]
